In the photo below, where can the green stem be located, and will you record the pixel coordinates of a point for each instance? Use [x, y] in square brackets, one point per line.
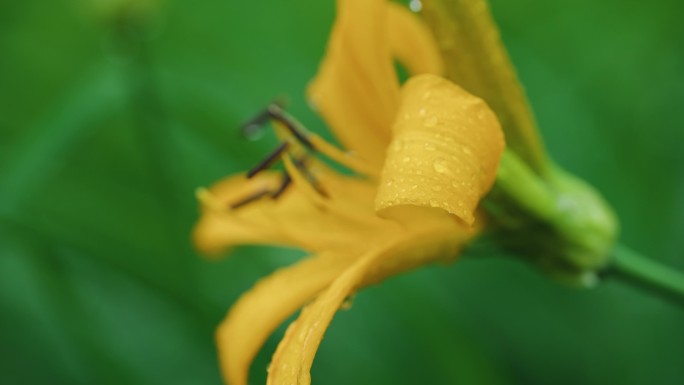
[644, 273]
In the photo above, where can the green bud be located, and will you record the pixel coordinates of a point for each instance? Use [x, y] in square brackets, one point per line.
[557, 221]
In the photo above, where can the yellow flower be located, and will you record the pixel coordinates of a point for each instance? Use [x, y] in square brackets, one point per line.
[424, 154]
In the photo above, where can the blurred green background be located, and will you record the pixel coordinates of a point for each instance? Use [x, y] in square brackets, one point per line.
[113, 112]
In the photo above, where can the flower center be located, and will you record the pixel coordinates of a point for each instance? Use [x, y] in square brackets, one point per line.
[298, 151]
[294, 144]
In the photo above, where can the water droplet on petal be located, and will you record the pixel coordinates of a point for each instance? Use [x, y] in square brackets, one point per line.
[440, 166]
[347, 303]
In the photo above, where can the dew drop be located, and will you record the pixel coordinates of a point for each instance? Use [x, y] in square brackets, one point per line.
[429, 146]
[416, 5]
[436, 187]
[347, 303]
[466, 150]
[440, 166]
[406, 159]
[422, 112]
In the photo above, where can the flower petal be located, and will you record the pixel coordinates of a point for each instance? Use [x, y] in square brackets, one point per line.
[261, 310]
[291, 220]
[445, 151]
[412, 42]
[477, 60]
[356, 89]
[293, 359]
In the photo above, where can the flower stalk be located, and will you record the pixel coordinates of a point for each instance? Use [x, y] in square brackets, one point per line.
[646, 274]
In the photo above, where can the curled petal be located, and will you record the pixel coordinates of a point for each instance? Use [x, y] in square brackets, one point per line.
[293, 359]
[445, 150]
[477, 60]
[262, 309]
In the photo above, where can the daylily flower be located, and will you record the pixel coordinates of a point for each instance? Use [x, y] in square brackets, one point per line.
[423, 153]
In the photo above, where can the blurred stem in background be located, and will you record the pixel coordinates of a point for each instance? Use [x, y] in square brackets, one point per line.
[132, 28]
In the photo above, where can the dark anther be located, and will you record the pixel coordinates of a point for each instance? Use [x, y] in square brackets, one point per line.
[269, 160]
[252, 128]
[277, 113]
[284, 184]
[249, 199]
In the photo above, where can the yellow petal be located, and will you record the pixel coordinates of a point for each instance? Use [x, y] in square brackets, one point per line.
[356, 89]
[220, 228]
[261, 310]
[445, 151]
[477, 60]
[291, 220]
[293, 359]
[412, 42]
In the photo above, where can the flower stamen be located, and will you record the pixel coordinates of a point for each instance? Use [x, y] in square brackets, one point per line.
[291, 127]
[300, 164]
[255, 196]
[284, 184]
[270, 159]
[304, 180]
[291, 124]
